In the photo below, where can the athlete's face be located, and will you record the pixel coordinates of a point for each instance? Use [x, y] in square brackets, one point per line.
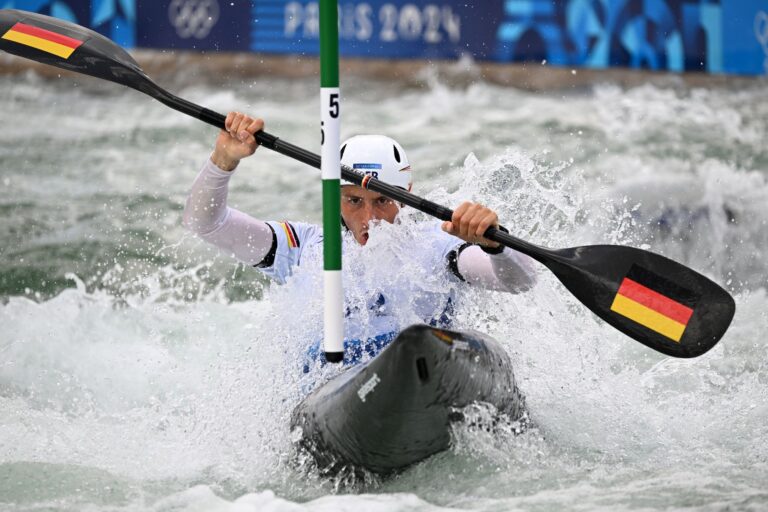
[360, 207]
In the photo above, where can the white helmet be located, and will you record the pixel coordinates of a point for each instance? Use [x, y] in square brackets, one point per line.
[377, 155]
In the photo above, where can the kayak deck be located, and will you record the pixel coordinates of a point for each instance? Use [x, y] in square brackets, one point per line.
[394, 410]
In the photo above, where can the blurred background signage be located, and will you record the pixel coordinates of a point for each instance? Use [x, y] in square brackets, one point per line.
[716, 36]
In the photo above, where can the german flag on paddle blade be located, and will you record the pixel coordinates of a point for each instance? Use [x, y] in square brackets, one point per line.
[43, 40]
[654, 302]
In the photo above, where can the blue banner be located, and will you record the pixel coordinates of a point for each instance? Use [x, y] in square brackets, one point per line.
[207, 25]
[715, 36]
[375, 28]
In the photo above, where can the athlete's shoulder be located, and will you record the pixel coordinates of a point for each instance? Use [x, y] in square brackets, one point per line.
[296, 235]
[290, 241]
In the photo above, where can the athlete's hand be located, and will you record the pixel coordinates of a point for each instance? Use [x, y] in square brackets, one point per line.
[469, 222]
[237, 141]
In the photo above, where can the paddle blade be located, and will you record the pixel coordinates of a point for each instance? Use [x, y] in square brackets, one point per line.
[657, 301]
[68, 46]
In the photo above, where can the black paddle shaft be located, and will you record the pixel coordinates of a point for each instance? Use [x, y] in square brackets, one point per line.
[100, 57]
[655, 300]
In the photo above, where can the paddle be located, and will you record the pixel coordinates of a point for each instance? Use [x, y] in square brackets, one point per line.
[652, 299]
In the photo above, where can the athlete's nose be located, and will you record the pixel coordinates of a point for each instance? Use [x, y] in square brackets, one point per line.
[370, 211]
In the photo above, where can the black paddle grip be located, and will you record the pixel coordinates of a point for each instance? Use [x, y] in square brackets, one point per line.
[290, 150]
[212, 118]
[267, 140]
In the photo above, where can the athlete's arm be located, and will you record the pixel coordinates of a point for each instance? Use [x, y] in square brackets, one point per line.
[206, 212]
[487, 263]
[508, 271]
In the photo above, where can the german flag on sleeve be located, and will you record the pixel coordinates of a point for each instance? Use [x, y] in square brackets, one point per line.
[654, 302]
[290, 234]
[43, 40]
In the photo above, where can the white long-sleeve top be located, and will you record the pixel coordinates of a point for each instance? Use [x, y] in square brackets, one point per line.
[408, 279]
[277, 247]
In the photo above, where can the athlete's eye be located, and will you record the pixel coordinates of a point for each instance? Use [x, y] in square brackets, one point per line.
[353, 200]
[383, 201]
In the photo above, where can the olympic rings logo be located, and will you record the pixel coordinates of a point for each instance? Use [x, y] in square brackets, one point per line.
[761, 32]
[193, 18]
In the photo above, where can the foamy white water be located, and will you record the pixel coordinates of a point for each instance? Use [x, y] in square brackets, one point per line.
[141, 370]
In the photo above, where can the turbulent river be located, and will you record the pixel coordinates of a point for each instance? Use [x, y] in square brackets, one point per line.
[142, 370]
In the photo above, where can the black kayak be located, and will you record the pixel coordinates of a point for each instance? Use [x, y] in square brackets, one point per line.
[395, 409]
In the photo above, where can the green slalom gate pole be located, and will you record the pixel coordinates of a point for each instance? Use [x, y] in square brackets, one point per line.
[592, 273]
[330, 121]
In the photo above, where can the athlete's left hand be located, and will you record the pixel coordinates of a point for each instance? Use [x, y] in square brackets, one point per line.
[469, 222]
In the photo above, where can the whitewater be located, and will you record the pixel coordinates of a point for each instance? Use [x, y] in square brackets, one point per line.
[143, 370]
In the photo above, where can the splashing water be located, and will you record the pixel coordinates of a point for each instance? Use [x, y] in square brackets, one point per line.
[141, 369]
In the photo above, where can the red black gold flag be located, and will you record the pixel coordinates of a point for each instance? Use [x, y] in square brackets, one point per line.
[290, 234]
[42, 39]
[654, 302]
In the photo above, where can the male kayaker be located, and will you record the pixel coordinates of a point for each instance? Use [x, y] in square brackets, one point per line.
[457, 254]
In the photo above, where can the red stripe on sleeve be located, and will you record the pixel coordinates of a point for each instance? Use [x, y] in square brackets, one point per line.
[295, 236]
[289, 234]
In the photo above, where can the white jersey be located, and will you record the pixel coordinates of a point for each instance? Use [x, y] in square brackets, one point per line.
[298, 244]
[406, 273]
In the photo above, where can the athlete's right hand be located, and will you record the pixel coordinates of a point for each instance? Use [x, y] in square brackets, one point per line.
[237, 141]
